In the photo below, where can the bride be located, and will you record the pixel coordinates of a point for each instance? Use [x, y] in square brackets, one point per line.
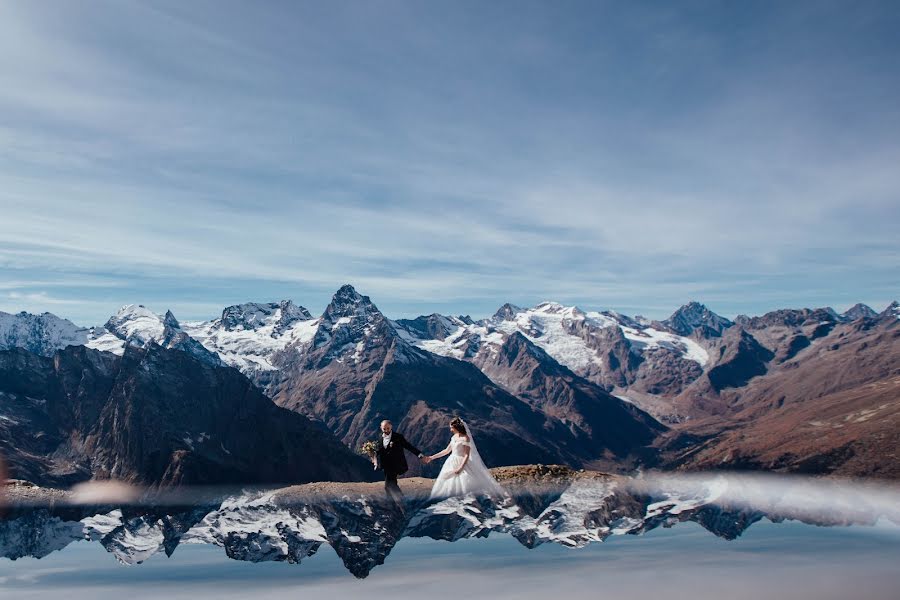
[464, 472]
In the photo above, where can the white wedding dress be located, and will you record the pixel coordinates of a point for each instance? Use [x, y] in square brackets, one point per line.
[475, 478]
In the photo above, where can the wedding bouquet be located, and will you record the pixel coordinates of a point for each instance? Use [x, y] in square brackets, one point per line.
[369, 448]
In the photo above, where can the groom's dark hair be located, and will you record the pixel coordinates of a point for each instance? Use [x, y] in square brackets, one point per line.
[457, 424]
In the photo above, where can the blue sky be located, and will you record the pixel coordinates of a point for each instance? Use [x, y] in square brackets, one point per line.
[448, 156]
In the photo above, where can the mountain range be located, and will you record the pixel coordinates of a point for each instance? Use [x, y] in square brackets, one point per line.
[796, 389]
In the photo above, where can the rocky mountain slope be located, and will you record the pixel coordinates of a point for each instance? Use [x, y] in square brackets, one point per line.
[155, 416]
[42, 334]
[529, 373]
[693, 317]
[358, 370]
[831, 406]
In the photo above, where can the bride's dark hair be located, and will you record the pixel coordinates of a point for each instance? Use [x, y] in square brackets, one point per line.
[457, 424]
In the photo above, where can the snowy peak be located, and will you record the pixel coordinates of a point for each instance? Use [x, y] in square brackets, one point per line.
[348, 310]
[507, 312]
[252, 316]
[859, 311]
[637, 322]
[555, 308]
[530, 319]
[549, 307]
[892, 310]
[136, 324]
[291, 313]
[348, 303]
[170, 321]
[41, 334]
[431, 327]
[250, 336]
[643, 321]
[694, 315]
[352, 324]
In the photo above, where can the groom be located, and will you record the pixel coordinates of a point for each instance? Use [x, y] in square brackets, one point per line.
[390, 456]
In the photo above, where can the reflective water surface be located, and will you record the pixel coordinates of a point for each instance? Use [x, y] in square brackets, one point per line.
[720, 536]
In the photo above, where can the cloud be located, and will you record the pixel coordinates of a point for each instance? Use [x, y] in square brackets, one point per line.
[595, 155]
[40, 298]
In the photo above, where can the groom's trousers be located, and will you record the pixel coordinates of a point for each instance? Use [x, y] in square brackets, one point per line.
[391, 487]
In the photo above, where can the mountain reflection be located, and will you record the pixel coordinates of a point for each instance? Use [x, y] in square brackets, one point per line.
[362, 530]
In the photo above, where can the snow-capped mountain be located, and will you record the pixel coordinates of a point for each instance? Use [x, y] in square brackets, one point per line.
[255, 316]
[604, 347]
[569, 334]
[249, 336]
[351, 326]
[136, 325]
[42, 334]
[892, 310]
[434, 326]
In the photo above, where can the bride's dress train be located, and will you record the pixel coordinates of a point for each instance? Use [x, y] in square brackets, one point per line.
[475, 478]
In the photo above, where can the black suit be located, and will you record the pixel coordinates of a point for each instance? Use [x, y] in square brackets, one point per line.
[393, 460]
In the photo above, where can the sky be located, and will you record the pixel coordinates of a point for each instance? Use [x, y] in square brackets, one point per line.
[448, 156]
